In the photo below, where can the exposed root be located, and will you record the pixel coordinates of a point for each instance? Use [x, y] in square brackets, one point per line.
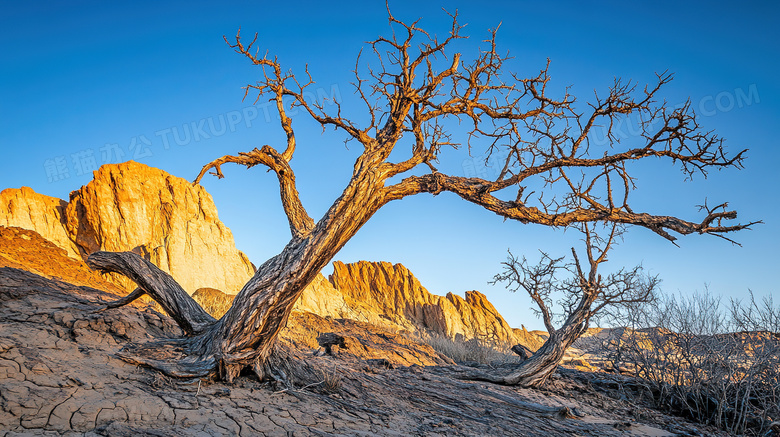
[287, 370]
[469, 374]
[172, 357]
[137, 293]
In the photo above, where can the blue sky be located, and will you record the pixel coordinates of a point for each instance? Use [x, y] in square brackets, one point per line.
[119, 81]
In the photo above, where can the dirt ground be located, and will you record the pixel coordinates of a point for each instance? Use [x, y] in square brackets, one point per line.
[59, 375]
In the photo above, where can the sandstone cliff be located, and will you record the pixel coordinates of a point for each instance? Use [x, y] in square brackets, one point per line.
[390, 295]
[24, 208]
[133, 207]
[166, 219]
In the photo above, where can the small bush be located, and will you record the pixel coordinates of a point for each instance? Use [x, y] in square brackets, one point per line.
[472, 350]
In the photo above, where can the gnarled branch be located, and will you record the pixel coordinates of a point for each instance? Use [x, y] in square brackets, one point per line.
[477, 191]
[300, 222]
[190, 316]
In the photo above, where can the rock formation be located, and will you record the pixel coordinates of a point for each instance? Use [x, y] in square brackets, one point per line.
[166, 219]
[321, 298]
[24, 208]
[389, 295]
[133, 207]
[28, 250]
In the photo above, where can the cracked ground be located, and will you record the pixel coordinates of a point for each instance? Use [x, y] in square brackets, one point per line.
[59, 375]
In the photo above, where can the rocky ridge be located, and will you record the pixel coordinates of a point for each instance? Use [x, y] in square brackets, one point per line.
[134, 207]
[389, 295]
[24, 208]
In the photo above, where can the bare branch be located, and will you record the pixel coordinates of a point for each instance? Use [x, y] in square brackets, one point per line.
[300, 222]
[276, 83]
[478, 191]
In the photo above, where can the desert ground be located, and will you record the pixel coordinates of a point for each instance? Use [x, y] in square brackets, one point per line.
[60, 375]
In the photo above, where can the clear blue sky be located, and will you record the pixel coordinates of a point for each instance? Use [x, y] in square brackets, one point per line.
[118, 81]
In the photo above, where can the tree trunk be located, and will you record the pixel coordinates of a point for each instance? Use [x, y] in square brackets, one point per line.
[536, 370]
[245, 336]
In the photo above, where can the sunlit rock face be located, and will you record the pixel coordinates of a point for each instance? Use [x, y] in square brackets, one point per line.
[321, 298]
[24, 208]
[133, 207]
[174, 224]
[389, 295]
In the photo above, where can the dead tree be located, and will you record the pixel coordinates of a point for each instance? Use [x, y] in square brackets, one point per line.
[583, 293]
[418, 88]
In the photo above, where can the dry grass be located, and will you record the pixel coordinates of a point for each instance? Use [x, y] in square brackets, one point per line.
[213, 301]
[472, 350]
[331, 381]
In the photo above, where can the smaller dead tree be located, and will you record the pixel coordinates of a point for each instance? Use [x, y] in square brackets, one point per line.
[584, 293]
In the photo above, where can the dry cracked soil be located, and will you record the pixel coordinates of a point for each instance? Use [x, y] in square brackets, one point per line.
[59, 375]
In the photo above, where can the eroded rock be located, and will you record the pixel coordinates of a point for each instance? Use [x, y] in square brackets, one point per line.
[389, 295]
[24, 208]
[134, 207]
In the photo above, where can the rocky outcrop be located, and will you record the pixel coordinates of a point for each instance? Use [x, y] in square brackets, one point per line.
[172, 223]
[133, 207]
[28, 250]
[390, 295]
[24, 208]
[321, 298]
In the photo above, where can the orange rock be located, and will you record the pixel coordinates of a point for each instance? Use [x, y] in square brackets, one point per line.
[134, 207]
[24, 208]
[389, 295]
[174, 224]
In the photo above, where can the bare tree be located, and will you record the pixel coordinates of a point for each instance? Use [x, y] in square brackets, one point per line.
[584, 294]
[418, 89]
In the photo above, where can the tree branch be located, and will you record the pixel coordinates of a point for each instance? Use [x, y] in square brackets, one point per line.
[157, 284]
[276, 83]
[300, 222]
[478, 191]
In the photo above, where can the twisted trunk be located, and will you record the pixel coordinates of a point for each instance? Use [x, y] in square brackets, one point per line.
[246, 334]
[537, 369]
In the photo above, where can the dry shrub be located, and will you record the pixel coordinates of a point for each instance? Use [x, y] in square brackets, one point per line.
[470, 351]
[702, 361]
[331, 381]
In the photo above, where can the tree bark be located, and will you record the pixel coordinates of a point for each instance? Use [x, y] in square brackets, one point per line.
[536, 370]
[190, 316]
[245, 336]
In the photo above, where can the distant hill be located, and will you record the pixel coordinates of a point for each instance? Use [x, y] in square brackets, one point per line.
[175, 225]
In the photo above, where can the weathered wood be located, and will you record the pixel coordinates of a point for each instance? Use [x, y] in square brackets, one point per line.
[522, 351]
[157, 284]
[134, 295]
